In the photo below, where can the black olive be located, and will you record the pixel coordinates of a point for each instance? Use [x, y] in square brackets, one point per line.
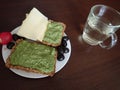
[60, 49]
[60, 57]
[64, 43]
[65, 38]
[16, 37]
[10, 45]
[66, 50]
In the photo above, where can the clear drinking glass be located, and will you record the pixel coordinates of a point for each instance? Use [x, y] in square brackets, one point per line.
[102, 23]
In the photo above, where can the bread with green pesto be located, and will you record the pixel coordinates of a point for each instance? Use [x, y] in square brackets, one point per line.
[32, 57]
[54, 33]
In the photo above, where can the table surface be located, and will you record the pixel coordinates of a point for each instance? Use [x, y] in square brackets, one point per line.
[89, 67]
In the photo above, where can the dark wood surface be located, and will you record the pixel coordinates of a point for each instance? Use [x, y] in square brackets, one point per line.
[89, 67]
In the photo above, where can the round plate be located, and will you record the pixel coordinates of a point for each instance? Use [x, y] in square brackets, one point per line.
[59, 64]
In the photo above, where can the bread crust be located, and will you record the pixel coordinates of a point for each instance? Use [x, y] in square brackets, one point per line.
[9, 65]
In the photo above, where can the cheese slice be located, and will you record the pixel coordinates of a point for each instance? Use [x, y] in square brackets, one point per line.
[34, 26]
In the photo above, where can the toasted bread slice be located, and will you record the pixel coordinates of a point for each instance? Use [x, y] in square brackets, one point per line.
[54, 33]
[32, 57]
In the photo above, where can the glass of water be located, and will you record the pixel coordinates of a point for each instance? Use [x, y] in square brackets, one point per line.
[102, 23]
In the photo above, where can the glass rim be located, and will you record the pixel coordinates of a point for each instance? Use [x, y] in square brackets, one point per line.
[101, 5]
[108, 7]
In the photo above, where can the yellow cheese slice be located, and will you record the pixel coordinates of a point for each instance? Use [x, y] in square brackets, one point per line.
[34, 26]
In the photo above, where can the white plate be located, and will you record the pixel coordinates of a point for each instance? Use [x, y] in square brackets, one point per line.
[59, 64]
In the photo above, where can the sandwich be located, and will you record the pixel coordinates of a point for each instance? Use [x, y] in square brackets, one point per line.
[37, 27]
[32, 57]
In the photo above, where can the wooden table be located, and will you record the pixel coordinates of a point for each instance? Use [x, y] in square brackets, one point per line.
[89, 67]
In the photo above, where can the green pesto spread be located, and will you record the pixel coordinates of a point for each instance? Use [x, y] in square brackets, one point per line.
[53, 33]
[33, 55]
